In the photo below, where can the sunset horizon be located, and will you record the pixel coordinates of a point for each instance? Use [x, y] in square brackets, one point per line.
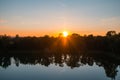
[55, 34]
[51, 17]
[59, 39]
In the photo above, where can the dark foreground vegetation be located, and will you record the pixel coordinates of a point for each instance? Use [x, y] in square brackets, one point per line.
[74, 42]
[74, 51]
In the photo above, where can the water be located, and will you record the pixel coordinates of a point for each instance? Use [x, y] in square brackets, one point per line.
[58, 67]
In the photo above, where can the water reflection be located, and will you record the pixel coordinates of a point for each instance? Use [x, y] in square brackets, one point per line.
[72, 60]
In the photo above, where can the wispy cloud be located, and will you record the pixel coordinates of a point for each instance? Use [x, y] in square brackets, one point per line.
[113, 21]
[3, 21]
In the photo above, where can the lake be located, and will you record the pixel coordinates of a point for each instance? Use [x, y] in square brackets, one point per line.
[59, 66]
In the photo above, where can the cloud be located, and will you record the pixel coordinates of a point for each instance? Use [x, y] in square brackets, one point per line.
[113, 21]
[3, 21]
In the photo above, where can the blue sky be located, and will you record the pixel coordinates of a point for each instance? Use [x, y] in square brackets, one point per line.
[39, 17]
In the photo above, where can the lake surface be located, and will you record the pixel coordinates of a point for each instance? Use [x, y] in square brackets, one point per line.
[59, 67]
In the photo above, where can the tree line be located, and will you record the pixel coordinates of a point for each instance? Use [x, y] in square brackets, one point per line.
[74, 42]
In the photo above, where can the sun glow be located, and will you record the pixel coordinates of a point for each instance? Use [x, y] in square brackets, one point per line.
[65, 33]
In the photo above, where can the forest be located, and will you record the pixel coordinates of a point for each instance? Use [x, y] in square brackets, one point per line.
[74, 42]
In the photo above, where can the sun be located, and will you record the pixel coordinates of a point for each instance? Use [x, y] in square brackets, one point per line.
[65, 33]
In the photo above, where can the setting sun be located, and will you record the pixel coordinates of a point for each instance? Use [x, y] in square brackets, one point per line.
[65, 34]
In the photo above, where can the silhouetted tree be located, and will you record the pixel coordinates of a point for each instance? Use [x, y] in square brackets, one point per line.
[110, 33]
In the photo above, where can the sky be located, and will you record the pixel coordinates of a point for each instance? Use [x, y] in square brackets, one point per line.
[50, 17]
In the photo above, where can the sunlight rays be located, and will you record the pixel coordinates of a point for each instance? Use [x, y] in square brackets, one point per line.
[65, 33]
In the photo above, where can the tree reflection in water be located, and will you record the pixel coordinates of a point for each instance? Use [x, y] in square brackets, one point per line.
[72, 60]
